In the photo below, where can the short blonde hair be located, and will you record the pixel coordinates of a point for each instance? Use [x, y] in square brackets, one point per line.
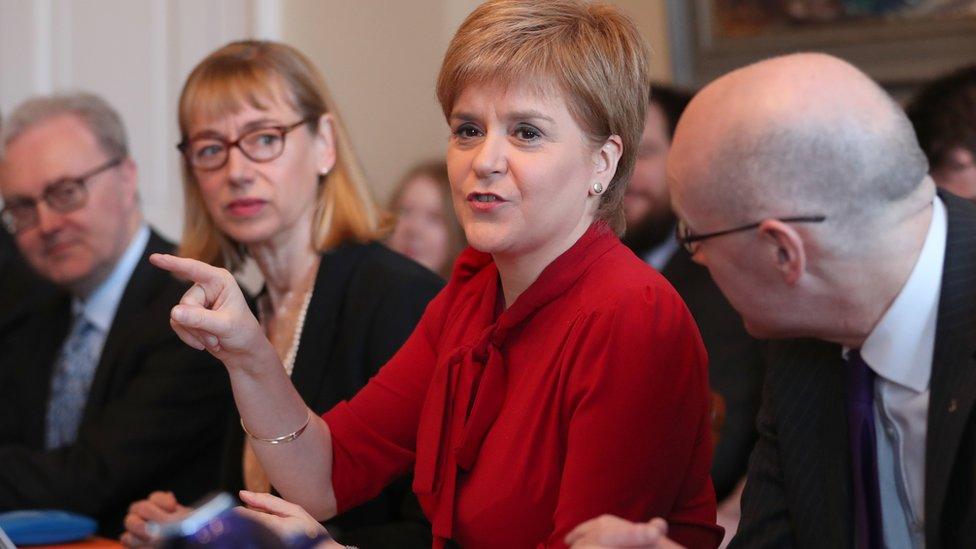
[590, 51]
[256, 73]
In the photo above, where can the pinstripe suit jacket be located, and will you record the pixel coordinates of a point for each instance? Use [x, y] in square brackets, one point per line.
[798, 492]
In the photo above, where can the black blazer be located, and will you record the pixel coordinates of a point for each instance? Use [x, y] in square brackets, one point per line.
[798, 493]
[154, 418]
[736, 365]
[365, 303]
[20, 288]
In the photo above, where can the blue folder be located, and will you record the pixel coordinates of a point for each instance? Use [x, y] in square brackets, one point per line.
[46, 527]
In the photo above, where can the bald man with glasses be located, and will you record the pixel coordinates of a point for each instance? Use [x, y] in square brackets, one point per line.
[804, 191]
[101, 402]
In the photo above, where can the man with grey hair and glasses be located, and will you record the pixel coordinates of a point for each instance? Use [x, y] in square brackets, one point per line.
[101, 402]
[19, 287]
[802, 187]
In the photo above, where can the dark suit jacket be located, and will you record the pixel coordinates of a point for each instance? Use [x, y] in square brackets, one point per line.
[154, 418]
[736, 365]
[20, 288]
[365, 303]
[798, 493]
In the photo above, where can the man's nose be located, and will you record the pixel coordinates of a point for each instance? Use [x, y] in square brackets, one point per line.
[48, 220]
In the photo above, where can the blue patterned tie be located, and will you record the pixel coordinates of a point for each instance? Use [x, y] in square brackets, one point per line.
[864, 453]
[73, 375]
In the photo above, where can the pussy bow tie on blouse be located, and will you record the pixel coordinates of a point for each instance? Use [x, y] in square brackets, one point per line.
[467, 390]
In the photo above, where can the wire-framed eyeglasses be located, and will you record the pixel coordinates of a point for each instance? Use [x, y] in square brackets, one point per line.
[691, 241]
[64, 195]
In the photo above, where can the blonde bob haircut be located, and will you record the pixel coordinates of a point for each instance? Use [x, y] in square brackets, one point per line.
[590, 52]
[259, 73]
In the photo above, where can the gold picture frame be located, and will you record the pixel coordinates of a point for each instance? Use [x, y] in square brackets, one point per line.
[899, 53]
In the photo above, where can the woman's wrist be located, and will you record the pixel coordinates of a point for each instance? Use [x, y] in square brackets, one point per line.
[258, 364]
[281, 439]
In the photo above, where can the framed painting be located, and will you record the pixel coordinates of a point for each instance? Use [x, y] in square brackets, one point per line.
[900, 43]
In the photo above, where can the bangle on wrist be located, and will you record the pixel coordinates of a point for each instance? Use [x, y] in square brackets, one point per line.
[284, 438]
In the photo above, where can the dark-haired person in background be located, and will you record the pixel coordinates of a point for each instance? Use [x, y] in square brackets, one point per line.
[944, 115]
[735, 359]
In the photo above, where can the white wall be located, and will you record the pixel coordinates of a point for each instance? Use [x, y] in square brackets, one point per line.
[380, 58]
[651, 17]
[136, 54]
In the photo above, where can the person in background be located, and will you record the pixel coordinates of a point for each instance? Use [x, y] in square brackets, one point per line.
[944, 115]
[647, 203]
[815, 215]
[557, 376]
[20, 288]
[426, 228]
[99, 401]
[735, 359]
[269, 174]
[21, 291]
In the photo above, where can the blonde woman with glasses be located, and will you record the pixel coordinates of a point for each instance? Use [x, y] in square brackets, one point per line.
[269, 174]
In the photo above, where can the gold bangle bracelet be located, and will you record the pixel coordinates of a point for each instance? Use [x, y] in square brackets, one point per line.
[284, 438]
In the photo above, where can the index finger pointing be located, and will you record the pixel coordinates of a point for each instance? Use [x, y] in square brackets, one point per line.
[207, 276]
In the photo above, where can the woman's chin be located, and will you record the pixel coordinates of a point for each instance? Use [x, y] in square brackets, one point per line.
[488, 244]
[488, 237]
[248, 236]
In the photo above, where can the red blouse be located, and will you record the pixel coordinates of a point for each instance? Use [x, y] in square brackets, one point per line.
[587, 396]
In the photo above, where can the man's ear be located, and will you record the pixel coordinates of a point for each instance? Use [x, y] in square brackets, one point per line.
[787, 249]
[130, 180]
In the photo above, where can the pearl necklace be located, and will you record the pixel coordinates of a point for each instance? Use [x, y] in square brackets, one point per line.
[289, 361]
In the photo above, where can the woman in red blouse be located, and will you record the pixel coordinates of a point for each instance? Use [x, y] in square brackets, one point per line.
[556, 377]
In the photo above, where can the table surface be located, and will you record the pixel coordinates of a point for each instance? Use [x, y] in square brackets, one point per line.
[90, 543]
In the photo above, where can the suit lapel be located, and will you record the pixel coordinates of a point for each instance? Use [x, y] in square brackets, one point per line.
[49, 330]
[680, 267]
[317, 340]
[835, 449]
[820, 445]
[143, 285]
[953, 383]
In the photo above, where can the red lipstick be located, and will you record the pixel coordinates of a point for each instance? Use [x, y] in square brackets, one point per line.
[246, 207]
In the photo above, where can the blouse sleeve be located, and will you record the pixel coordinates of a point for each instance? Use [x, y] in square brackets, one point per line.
[638, 441]
[374, 433]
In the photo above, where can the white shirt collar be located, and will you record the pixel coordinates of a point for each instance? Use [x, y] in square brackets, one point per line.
[900, 347]
[101, 305]
[659, 255]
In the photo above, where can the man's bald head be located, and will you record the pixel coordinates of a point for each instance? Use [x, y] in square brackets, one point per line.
[795, 135]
